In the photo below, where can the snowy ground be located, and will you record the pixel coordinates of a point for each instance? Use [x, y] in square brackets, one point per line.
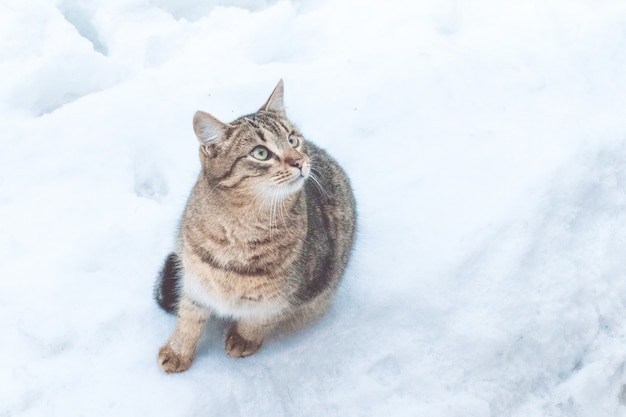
[486, 141]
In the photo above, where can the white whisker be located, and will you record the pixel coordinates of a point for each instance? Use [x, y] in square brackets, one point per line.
[271, 213]
[318, 184]
[281, 205]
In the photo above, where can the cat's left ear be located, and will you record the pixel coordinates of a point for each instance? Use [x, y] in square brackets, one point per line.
[208, 129]
[275, 103]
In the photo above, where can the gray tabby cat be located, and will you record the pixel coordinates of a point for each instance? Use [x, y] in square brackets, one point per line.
[265, 237]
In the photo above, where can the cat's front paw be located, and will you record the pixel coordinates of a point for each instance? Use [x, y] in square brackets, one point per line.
[171, 361]
[238, 347]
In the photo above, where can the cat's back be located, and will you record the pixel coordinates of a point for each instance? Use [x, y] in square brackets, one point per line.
[331, 226]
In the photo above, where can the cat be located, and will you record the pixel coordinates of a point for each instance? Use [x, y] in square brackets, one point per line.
[265, 237]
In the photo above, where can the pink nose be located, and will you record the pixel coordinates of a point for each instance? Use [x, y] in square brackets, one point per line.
[295, 162]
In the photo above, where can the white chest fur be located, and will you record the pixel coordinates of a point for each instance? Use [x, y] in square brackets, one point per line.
[232, 302]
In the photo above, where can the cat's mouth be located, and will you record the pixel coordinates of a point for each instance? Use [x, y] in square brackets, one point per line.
[291, 183]
[295, 183]
[297, 180]
[299, 175]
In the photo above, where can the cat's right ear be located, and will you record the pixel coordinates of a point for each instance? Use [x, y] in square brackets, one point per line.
[208, 129]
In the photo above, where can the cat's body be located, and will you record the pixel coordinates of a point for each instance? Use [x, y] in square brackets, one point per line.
[265, 237]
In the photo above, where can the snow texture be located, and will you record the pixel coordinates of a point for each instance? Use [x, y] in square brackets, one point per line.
[486, 142]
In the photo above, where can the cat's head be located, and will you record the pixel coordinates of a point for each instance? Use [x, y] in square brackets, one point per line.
[261, 154]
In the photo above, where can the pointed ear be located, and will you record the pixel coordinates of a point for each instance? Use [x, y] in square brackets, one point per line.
[275, 102]
[208, 129]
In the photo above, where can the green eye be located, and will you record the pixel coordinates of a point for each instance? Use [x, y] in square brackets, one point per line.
[261, 153]
[293, 141]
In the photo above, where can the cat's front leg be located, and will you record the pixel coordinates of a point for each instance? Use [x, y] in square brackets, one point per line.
[245, 337]
[177, 354]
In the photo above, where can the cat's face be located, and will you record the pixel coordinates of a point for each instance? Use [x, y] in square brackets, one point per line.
[261, 154]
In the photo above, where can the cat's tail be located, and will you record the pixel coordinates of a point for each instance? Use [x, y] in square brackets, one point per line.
[167, 287]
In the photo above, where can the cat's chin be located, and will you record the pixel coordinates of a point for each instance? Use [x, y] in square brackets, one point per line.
[284, 190]
[293, 186]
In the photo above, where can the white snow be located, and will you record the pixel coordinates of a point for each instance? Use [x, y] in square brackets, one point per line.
[486, 142]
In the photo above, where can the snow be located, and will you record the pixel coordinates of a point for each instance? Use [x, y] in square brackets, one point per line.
[486, 142]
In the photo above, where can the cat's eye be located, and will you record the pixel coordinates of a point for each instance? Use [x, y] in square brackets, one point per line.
[293, 141]
[261, 153]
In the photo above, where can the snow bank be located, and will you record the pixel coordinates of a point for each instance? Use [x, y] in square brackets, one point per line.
[487, 147]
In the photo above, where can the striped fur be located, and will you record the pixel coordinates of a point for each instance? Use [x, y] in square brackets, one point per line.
[262, 241]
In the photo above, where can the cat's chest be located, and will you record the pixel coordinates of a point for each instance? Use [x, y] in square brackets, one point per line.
[233, 293]
[241, 268]
[248, 252]
[245, 247]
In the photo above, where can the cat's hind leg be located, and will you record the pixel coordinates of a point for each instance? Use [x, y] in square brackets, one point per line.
[177, 354]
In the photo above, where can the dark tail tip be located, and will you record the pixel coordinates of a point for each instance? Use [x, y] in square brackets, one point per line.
[167, 288]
